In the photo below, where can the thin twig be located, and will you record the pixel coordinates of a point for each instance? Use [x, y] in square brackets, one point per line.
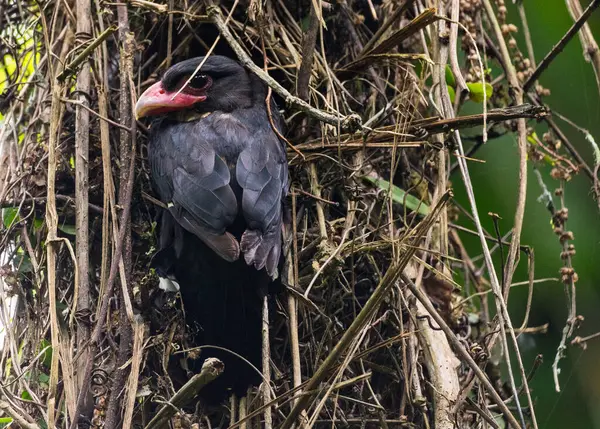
[385, 26]
[70, 68]
[591, 52]
[134, 375]
[5, 406]
[350, 122]
[557, 49]
[127, 156]
[103, 307]
[364, 316]
[459, 348]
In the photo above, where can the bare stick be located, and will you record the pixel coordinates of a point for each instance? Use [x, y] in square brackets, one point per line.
[56, 113]
[5, 406]
[590, 48]
[266, 363]
[438, 358]
[86, 52]
[211, 369]
[459, 348]
[526, 32]
[103, 308]
[417, 24]
[557, 49]
[308, 52]
[385, 26]
[127, 154]
[82, 140]
[134, 374]
[461, 85]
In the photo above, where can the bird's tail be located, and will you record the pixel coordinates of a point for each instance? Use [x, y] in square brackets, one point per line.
[222, 302]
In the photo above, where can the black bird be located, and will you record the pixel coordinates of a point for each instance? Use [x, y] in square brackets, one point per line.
[222, 171]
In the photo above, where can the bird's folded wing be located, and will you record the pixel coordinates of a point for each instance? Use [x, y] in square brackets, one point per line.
[195, 184]
[262, 172]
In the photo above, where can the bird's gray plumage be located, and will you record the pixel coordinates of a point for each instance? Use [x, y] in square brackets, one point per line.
[222, 171]
[227, 164]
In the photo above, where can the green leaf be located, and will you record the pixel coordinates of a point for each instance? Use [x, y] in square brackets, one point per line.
[72, 162]
[25, 395]
[499, 419]
[532, 138]
[549, 160]
[451, 93]
[47, 357]
[10, 215]
[24, 264]
[44, 378]
[67, 229]
[450, 80]
[38, 223]
[4, 421]
[305, 23]
[477, 91]
[400, 196]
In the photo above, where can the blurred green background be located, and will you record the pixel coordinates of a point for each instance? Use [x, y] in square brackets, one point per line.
[574, 95]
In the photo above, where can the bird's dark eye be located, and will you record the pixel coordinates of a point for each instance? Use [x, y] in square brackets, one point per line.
[200, 81]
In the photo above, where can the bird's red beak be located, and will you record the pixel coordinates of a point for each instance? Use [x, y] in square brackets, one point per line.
[156, 101]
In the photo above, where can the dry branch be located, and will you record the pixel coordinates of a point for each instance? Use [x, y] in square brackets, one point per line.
[82, 155]
[365, 314]
[211, 369]
[350, 122]
[22, 421]
[558, 47]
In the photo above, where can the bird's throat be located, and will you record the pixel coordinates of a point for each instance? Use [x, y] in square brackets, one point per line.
[189, 115]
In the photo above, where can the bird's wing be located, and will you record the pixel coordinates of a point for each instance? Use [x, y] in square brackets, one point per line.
[262, 172]
[194, 182]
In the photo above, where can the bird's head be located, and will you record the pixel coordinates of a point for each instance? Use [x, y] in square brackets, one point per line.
[220, 84]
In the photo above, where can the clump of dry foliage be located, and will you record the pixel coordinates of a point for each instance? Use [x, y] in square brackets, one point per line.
[387, 320]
